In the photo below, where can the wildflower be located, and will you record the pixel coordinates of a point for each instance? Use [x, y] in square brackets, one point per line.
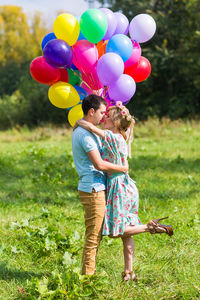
[124, 112]
[119, 104]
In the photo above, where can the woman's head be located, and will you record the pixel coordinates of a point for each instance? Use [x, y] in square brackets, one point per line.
[118, 118]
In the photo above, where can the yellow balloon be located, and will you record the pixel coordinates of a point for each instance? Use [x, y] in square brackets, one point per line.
[63, 95]
[75, 114]
[66, 28]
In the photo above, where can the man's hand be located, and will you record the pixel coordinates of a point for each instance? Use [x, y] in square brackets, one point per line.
[126, 167]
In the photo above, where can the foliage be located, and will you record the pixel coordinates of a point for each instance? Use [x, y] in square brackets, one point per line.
[172, 89]
[42, 220]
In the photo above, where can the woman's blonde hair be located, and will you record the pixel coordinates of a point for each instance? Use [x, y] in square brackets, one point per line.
[120, 121]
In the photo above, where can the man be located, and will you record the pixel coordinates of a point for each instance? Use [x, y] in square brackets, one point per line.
[86, 148]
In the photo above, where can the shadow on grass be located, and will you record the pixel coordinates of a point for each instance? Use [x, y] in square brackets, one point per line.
[54, 180]
[7, 273]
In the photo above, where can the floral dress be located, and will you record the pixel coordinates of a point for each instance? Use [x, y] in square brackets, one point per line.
[122, 194]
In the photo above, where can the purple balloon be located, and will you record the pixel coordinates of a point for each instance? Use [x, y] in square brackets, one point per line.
[122, 23]
[142, 28]
[58, 54]
[112, 23]
[110, 67]
[122, 89]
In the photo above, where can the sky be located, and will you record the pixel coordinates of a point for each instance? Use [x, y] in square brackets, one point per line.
[50, 7]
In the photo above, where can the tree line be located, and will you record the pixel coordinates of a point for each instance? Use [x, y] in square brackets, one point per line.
[172, 90]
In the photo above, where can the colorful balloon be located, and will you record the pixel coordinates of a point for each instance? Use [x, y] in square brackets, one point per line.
[93, 24]
[64, 75]
[122, 89]
[101, 47]
[48, 37]
[135, 56]
[142, 28]
[74, 77]
[121, 45]
[109, 68]
[81, 91]
[122, 23]
[75, 114]
[112, 23]
[58, 54]
[66, 27]
[85, 56]
[42, 72]
[81, 37]
[140, 71]
[63, 95]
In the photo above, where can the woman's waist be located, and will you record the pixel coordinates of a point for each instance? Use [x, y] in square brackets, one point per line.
[114, 175]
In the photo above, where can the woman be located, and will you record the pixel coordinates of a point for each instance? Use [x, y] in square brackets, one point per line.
[121, 215]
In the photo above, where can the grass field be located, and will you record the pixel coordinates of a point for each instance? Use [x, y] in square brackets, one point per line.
[42, 231]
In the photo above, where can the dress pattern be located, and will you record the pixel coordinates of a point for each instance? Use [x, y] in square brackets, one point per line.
[122, 193]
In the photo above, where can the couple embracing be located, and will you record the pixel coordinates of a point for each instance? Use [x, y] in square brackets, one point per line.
[109, 196]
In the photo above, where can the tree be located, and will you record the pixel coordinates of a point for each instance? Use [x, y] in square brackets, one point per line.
[19, 44]
[173, 88]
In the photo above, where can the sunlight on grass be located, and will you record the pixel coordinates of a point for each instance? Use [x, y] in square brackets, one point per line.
[42, 223]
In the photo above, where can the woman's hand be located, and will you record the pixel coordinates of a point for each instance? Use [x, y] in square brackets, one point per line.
[87, 125]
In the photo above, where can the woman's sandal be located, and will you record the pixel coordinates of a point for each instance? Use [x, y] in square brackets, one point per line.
[154, 226]
[129, 275]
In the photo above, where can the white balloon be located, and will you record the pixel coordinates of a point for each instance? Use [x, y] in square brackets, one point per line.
[142, 28]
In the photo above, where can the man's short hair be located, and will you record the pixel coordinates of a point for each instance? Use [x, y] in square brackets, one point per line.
[92, 101]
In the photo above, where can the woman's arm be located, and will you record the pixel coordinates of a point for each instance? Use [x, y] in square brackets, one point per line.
[92, 128]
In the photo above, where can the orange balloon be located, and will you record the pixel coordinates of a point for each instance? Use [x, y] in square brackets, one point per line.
[101, 47]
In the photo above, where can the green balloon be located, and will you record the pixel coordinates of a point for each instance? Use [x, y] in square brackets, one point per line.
[93, 25]
[74, 77]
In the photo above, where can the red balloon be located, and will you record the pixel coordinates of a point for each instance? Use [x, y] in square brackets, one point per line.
[42, 72]
[140, 71]
[64, 75]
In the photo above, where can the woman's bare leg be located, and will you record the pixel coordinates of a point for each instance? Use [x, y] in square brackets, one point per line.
[128, 248]
[137, 229]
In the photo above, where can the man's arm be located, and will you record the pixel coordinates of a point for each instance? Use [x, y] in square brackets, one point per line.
[105, 166]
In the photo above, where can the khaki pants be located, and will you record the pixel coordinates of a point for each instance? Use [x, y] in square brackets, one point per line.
[94, 205]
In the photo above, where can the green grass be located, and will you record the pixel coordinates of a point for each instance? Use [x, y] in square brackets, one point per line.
[42, 223]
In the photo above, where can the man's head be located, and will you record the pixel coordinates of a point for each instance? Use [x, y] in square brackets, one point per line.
[94, 108]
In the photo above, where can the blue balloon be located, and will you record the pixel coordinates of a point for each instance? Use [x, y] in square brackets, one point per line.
[50, 36]
[121, 45]
[81, 37]
[82, 93]
[74, 105]
[73, 67]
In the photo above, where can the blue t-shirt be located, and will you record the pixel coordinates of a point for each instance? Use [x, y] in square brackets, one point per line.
[84, 141]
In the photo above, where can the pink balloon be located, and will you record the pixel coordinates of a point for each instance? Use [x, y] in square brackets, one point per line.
[85, 56]
[135, 56]
[92, 79]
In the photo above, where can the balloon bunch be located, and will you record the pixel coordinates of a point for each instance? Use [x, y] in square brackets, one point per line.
[94, 55]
